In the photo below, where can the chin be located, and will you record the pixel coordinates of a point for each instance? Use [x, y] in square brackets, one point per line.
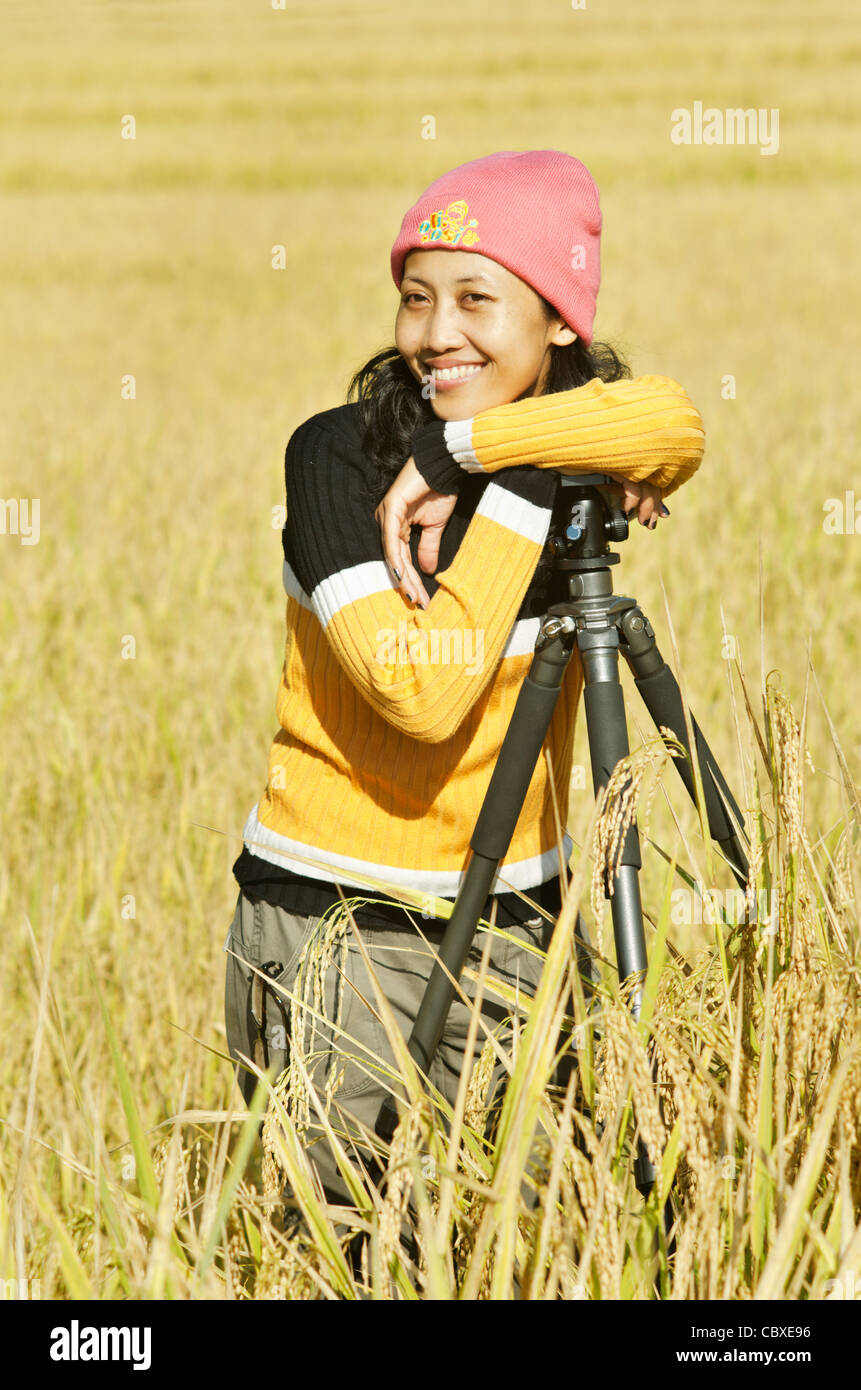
[451, 411]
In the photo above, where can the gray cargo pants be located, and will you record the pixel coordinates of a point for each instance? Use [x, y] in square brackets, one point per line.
[274, 940]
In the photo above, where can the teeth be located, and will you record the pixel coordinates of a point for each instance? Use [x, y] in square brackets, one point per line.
[450, 373]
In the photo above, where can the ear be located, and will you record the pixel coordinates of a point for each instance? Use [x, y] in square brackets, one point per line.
[560, 335]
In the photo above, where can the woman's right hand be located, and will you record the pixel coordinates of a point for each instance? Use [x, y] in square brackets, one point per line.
[410, 502]
[642, 498]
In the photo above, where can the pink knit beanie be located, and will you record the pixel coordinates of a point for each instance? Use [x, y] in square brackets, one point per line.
[536, 212]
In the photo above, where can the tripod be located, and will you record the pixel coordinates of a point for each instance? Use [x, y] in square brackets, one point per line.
[601, 625]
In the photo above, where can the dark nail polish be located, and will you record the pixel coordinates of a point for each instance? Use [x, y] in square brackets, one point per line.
[410, 597]
[396, 573]
[665, 511]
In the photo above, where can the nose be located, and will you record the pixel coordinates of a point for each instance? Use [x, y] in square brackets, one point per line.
[442, 327]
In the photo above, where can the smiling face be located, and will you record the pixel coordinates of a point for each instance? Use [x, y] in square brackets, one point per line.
[475, 328]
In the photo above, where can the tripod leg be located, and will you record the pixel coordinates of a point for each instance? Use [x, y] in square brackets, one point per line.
[491, 837]
[663, 699]
[608, 743]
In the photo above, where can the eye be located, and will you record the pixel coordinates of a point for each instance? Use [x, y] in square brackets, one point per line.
[470, 294]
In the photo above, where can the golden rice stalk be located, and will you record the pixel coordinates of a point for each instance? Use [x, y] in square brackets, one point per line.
[413, 1127]
[633, 775]
[475, 1109]
[789, 755]
[271, 1171]
[317, 958]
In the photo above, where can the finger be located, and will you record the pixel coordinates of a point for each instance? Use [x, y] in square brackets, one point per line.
[400, 561]
[627, 496]
[391, 538]
[408, 582]
[429, 548]
[656, 510]
[395, 538]
[411, 584]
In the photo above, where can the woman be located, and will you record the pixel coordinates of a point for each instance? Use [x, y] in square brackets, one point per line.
[417, 517]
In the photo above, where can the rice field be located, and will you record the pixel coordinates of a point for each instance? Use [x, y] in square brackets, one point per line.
[153, 158]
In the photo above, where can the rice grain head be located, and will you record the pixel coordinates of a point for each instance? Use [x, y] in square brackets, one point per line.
[633, 777]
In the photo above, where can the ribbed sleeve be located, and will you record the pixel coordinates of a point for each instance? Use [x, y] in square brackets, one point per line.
[333, 545]
[431, 456]
[645, 430]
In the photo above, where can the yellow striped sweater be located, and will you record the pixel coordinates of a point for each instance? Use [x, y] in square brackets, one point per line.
[391, 719]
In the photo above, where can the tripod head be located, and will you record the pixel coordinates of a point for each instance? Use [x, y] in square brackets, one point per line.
[585, 522]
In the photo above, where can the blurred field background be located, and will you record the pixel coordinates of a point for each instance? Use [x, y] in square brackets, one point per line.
[152, 257]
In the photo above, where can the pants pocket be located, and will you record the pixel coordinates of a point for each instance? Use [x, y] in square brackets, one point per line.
[257, 1016]
[515, 958]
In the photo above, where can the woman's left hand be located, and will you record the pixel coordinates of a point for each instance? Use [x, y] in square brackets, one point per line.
[642, 498]
[410, 502]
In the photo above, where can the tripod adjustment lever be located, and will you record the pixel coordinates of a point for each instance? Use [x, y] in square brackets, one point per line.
[552, 627]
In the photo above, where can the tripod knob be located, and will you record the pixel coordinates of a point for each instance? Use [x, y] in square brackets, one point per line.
[554, 625]
[616, 526]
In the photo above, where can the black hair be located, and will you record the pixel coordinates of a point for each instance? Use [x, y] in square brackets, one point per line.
[392, 406]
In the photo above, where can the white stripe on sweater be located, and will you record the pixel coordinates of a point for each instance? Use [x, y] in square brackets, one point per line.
[294, 588]
[505, 507]
[521, 641]
[523, 637]
[458, 441]
[497, 504]
[279, 849]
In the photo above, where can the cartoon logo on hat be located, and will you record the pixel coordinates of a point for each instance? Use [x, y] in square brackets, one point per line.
[450, 226]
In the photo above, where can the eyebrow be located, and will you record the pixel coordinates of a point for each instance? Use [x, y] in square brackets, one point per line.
[461, 280]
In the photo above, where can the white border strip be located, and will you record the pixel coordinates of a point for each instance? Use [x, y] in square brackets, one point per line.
[521, 641]
[524, 635]
[518, 514]
[359, 581]
[293, 588]
[458, 441]
[277, 849]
